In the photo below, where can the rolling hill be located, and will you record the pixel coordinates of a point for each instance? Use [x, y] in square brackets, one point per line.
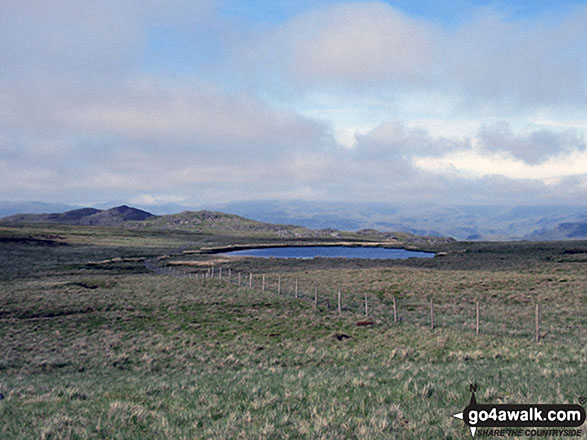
[562, 231]
[276, 217]
[84, 216]
[209, 222]
[462, 222]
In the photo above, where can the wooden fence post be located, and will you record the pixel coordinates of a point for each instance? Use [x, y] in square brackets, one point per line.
[220, 273]
[537, 323]
[339, 305]
[229, 275]
[394, 310]
[366, 306]
[263, 284]
[239, 279]
[250, 280]
[431, 316]
[477, 317]
[296, 287]
[315, 295]
[279, 284]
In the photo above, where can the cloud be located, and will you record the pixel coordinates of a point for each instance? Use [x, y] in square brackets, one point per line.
[533, 148]
[358, 42]
[87, 114]
[531, 62]
[79, 41]
[489, 62]
[349, 43]
[190, 114]
[394, 139]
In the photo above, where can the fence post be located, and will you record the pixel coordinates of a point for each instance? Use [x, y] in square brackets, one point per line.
[477, 317]
[239, 279]
[537, 322]
[212, 273]
[431, 316]
[339, 305]
[394, 310]
[279, 284]
[220, 273]
[366, 306]
[263, 283]
[296, 287]
[315, 295]
[229, 275]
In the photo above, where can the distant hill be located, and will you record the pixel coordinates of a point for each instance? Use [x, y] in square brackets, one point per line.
[12, 208]
[85, 216]
[219, 222]
[276, 217]
[563, 231]
[461, 222]
[210, 222]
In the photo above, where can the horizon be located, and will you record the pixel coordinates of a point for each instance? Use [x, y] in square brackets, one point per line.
[212, 205]
[462, 222]
[468, 103]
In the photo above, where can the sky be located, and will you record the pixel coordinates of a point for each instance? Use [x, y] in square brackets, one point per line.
[207, 101]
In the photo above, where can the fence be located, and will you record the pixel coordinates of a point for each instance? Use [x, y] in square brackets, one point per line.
[531, 321]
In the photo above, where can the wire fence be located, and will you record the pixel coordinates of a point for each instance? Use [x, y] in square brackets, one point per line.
[541, 322]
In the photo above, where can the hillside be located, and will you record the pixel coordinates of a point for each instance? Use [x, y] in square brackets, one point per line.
[214, 222]
[84, 216]
[494, 223]
[563, 231]
[461, 222]
[121, 333]
[211, 222]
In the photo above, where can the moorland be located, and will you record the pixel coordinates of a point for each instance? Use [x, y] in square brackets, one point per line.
[120, 332]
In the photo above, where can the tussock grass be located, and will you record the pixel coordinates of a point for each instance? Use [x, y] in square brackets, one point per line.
[90, 353]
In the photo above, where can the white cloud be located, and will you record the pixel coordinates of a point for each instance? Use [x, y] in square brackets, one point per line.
[493, 61]
[395, 139]
[533, 148]
[357, 42]
[150, 199]
[477, 164]
[489, 63]
[82, 118]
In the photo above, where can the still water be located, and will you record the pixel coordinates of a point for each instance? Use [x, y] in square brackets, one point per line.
[332, 252]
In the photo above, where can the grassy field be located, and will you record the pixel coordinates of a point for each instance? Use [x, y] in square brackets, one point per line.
[114, 351]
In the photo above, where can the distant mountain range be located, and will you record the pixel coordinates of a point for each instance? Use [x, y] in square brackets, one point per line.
[11, 208]
[207, 222]
[563, 231]
[460, 222]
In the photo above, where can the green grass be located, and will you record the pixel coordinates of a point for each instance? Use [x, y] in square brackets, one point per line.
[113, 351]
